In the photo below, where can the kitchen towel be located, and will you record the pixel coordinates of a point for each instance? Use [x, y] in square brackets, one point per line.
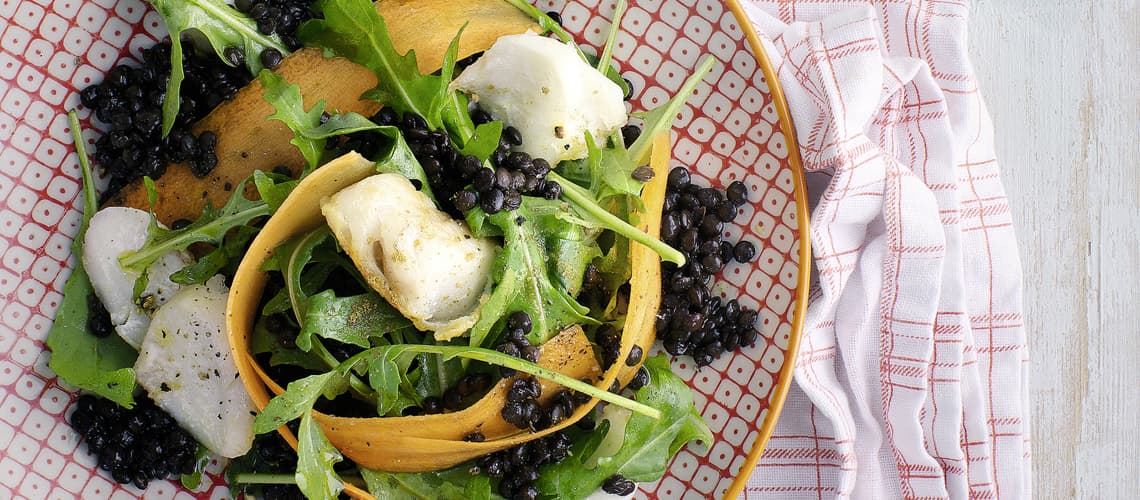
[911, 376]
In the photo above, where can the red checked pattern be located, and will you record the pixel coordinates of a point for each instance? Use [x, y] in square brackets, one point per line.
[50, 49]
[910, 381]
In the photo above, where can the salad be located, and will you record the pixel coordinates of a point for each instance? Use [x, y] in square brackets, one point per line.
[454, 296]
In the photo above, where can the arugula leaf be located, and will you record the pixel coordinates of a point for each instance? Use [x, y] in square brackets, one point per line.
[309, 133]
[315, 459]
[385, 374]
[273, 188]
[223, 26]
[172, 100]
[388, 356]
[451, 484]
[355, 30]
[103, 366]
[450, 105]
[397, 385]
[210, 227]
[400, 159]
[436, 374]
[352, 320]
[314, 247]
[224, 257]
[571, 250]
[647, 445]
[265, 342]
[615, 263]
[484, 140]
[305, 263]
[201, 461]
[588, 208]
[570, 242]
[611, 170]
[298, 399]
[522, 282]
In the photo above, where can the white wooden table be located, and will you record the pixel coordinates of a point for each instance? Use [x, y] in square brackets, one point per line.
[1062, 82]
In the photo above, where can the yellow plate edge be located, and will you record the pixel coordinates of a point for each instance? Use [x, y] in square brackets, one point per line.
[799, 188]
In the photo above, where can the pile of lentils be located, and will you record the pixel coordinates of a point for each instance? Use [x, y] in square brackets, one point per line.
[522, 408]
[517, 467]
[691, 319]
[129, 100]
[137, 445]
[278, 17]
[275, 456]
[462, 182]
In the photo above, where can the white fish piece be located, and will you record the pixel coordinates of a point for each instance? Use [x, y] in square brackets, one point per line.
[114, 231]
[426, 264]
[186, 366]
[544, 89]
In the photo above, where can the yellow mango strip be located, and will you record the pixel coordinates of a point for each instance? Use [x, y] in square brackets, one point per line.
[298, 214]
[248, 141]
[304, 207]
[435, 442]
[427, 26]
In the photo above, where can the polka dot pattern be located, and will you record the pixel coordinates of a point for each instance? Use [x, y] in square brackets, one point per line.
[728, 131]
[48, 52]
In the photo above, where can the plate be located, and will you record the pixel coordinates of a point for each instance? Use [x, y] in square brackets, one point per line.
[734, 128]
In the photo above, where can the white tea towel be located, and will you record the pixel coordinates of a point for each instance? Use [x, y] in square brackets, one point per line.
[911, 377]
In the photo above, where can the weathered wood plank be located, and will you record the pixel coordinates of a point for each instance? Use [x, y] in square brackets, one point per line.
[1062, 82]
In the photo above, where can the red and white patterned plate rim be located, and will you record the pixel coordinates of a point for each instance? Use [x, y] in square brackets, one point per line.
[734, 128]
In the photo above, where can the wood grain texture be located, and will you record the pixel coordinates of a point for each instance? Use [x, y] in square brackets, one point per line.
[1062, 82]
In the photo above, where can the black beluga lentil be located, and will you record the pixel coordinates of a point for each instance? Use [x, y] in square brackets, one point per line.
[272, 455]
[129, 101]
[691, 320]
[134, 446]
[462, 182]
[279, 17]
[618, 485]
[516, 468]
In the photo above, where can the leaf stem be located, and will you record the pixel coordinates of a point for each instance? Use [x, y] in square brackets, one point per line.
[497, 358]
[258, 478]
[234, 23]
[90, 195]
[360, 390]
[584, 202]
[265, 478]
[544, 21]
[640, 148]
[184, 240]
[611, 39]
